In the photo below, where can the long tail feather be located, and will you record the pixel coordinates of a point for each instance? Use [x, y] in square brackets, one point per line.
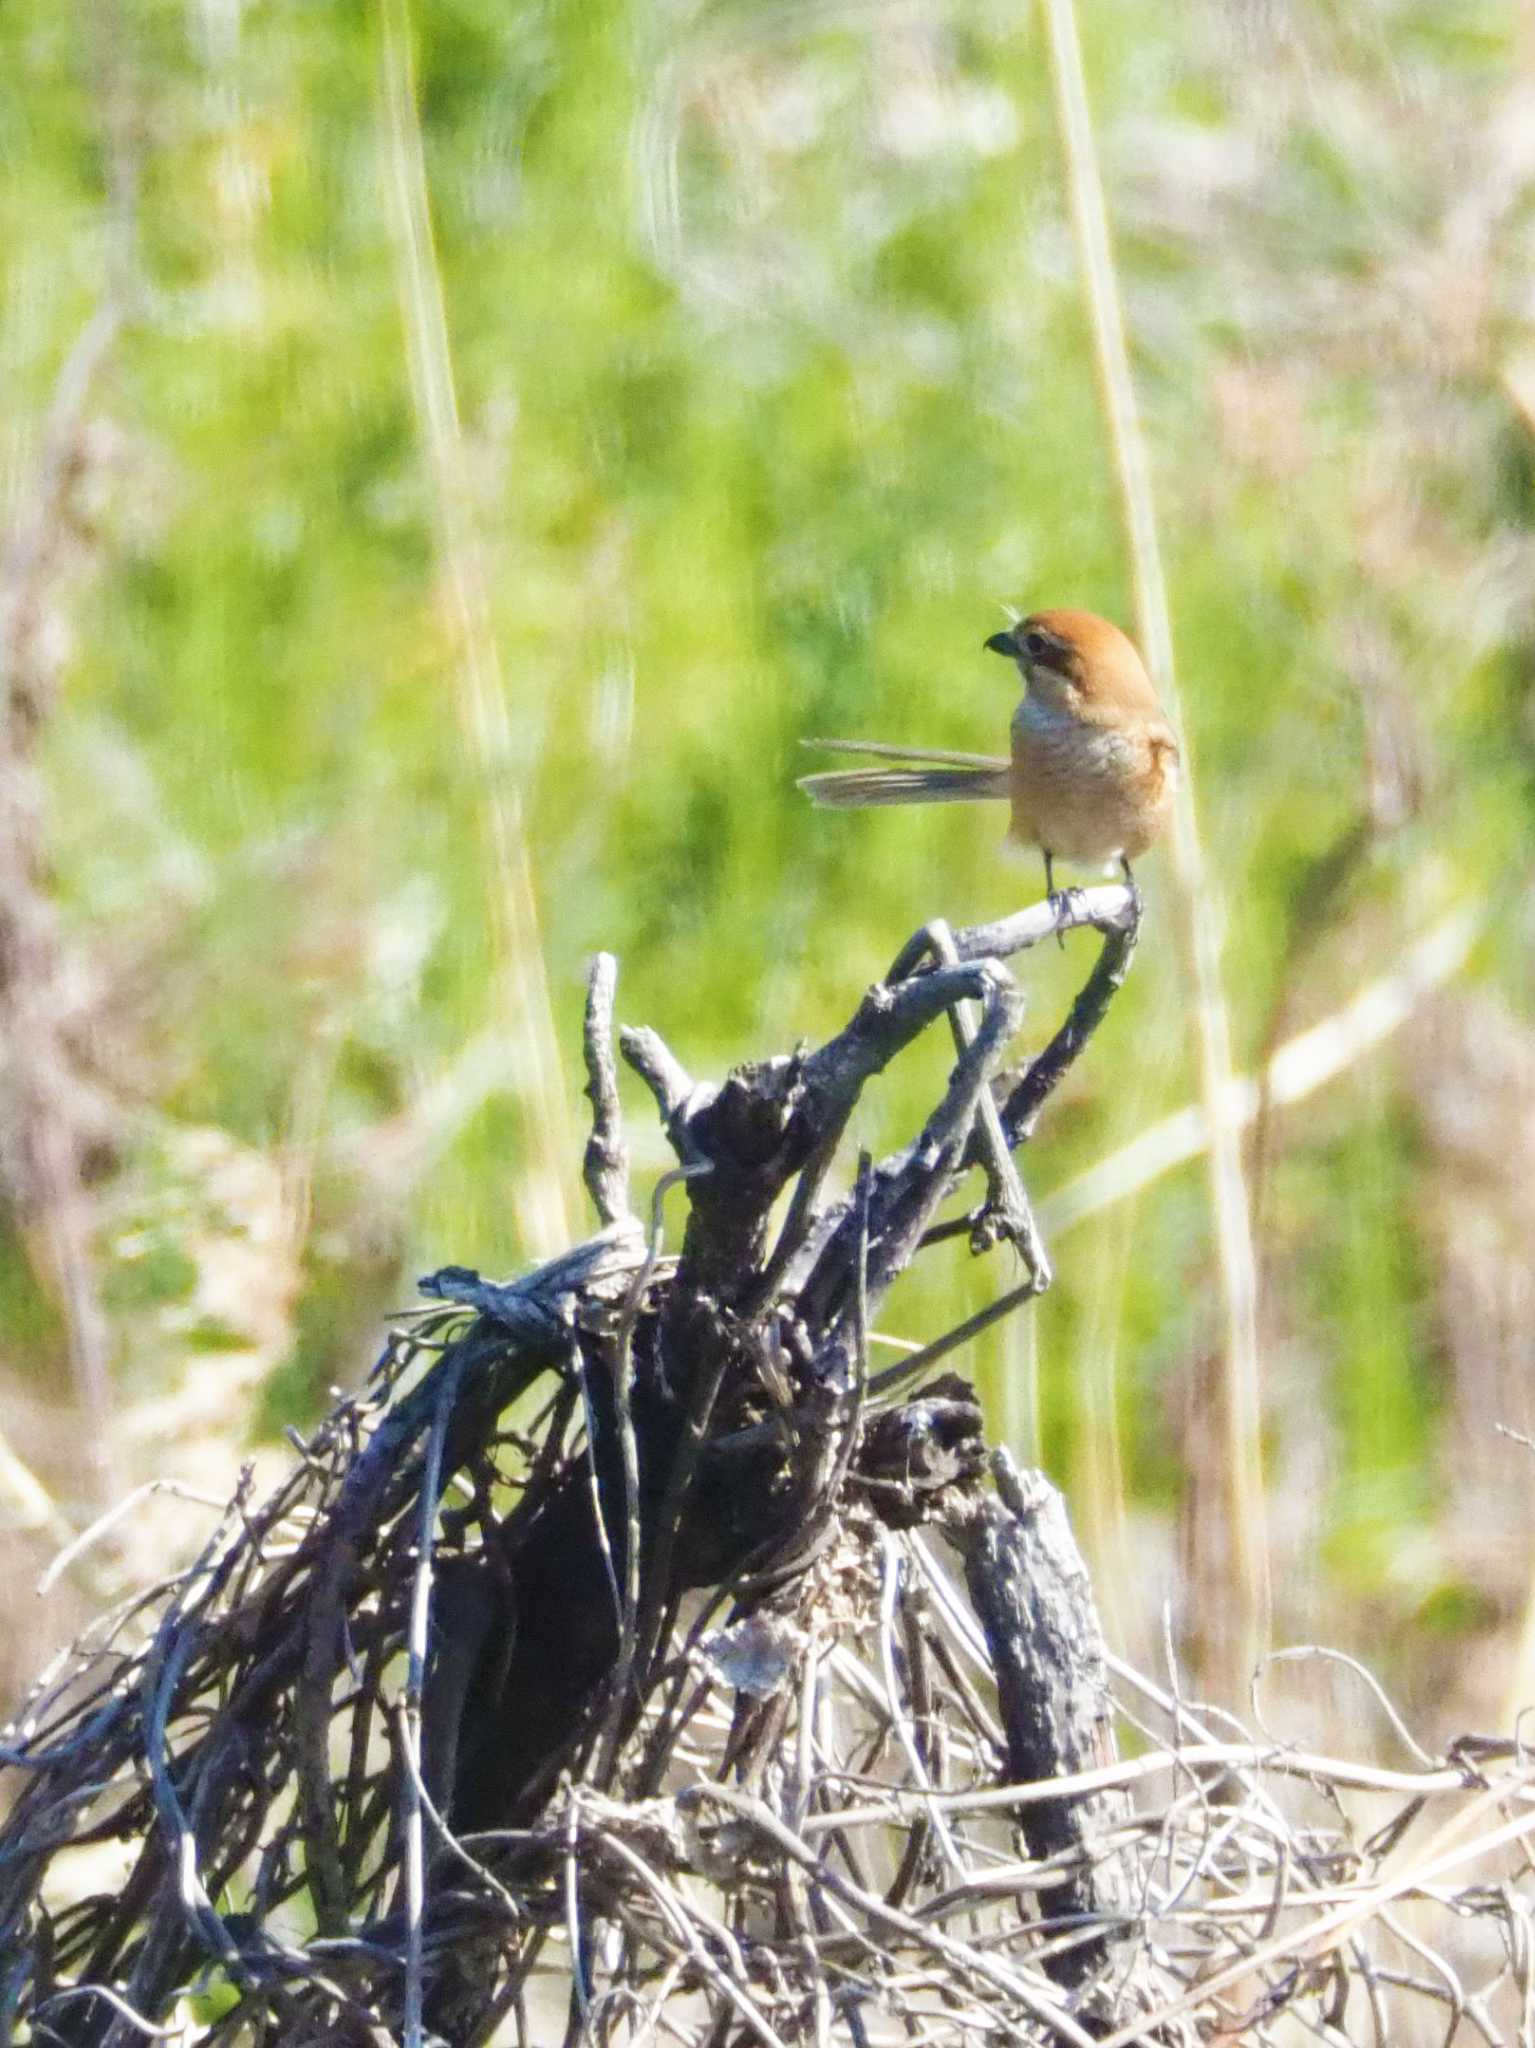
[852, 788]
[928, 757]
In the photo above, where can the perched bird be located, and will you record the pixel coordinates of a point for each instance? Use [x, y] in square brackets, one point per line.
[1094, 762]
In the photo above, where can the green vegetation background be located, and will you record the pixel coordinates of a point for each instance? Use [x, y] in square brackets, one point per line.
[770, 359]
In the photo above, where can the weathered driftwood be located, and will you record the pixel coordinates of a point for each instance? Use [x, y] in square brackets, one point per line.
[609, 1580]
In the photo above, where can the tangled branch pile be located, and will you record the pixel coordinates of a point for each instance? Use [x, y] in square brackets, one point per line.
[601, 1669]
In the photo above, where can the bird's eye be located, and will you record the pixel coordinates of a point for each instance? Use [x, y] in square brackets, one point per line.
[1035, 646]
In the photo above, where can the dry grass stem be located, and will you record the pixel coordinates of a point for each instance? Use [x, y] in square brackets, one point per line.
[1231, 1568]
[546, 1210]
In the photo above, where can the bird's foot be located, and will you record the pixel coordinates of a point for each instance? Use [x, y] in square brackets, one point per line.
[1059, 900]
[1063, 905]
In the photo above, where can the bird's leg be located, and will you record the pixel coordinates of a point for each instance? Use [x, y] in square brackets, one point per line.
[1131, 885]
[1006, 1213]
[1056, 898]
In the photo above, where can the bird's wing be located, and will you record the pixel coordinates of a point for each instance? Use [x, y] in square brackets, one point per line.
[1165, 751]
[929, 756]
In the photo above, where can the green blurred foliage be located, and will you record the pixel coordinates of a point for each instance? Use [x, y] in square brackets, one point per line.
[775, 384]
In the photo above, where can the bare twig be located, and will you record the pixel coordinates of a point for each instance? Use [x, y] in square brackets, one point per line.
[415, 1681]
[663, 1074]
[606, 1166]
[630, 1617]
[1007, 1214]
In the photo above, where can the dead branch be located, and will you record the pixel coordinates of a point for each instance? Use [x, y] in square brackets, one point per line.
[596, 1669]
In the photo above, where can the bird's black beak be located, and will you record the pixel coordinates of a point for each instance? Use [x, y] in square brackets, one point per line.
[1003, 643]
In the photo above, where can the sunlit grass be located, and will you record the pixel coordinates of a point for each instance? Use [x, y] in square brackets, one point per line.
[772, 383]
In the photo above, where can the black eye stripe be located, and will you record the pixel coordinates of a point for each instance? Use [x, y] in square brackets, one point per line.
[1036, 646]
